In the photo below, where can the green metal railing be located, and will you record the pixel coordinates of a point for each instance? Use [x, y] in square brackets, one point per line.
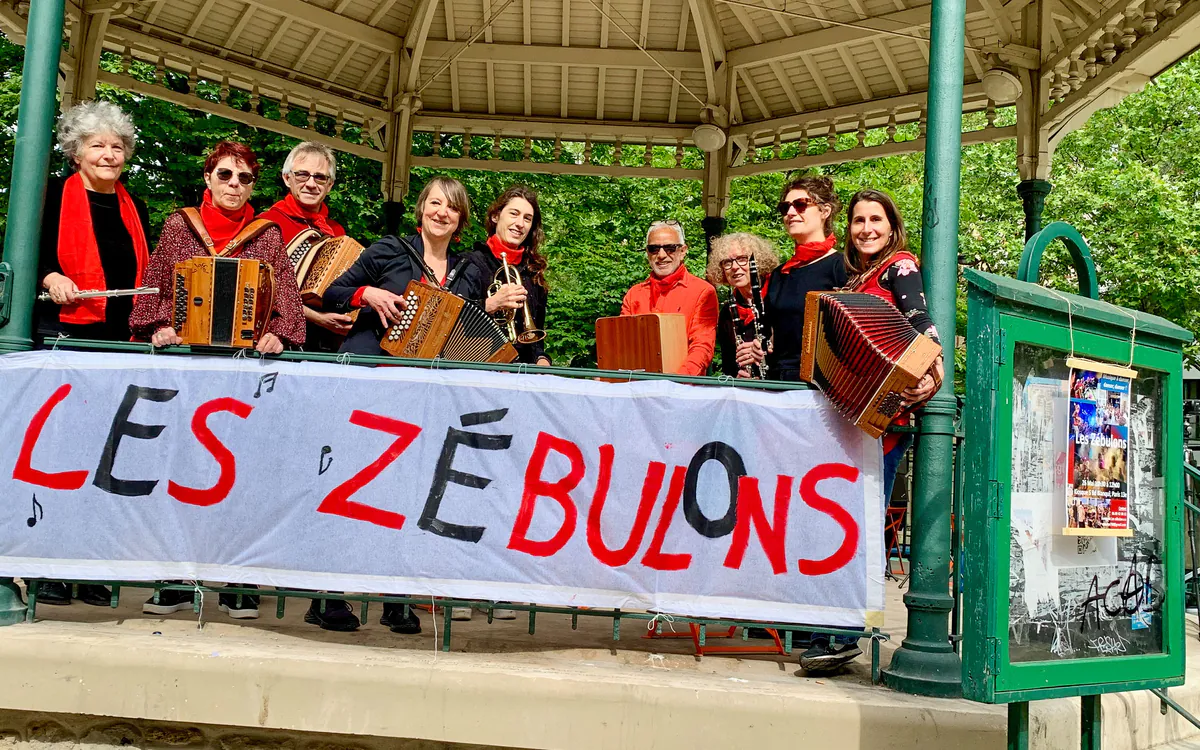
[1191, 509]
[654, 621]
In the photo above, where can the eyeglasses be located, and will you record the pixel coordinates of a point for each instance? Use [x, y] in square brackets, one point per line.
[800, 204]
[729, 263]
[668, 249]
[317, 177]
[225, 175]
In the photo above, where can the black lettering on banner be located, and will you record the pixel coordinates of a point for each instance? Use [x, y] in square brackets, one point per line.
[268, 380]
[121, 427]
[322, 465]
[735, 467]
[38, 510]
[444, 474]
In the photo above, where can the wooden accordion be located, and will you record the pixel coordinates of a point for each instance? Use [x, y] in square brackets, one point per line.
[319, 261]
[437, 323]
[862, 353]
[222, 301]
[655, 342]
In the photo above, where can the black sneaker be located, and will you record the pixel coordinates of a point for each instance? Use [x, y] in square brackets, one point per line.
[822, 656]
[337, 615]
[95, 595]
[169, 602]
[240, 606]
[53, 592]
[400, 619]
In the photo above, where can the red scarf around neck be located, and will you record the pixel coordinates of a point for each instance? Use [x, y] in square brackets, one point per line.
[807, 252]
[659, 287]
[499, 248]
[79, 255]
[745, 310]
[318, 219]
[223, 225]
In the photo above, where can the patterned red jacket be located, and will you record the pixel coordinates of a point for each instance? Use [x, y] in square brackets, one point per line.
[177, 243]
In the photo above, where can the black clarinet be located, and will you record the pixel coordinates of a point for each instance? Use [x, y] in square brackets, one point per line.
[757, 331]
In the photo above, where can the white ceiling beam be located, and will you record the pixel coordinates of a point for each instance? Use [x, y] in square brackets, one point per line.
[556, 168]
[637, 95]
[818, 78]
[156, 7]
[341, 6]
[201, 14]
[681, 35]
[758, 100]
[273, 41]
[374, 70]
[491, 88]
[566, 23]
[511, 126]
[890, 62]
[673, 110]
[1004, 27]
[351, 48]
[451, 24]
[487, 13]
[852, 68]
[309, 48]
[835, 36]
[564, 89]
[644, 24]
[747, 23]
[238, 28]
[782, 76]
[712, 49]
[455, 103]
[541, 54]
[604, 24]
[342, 26]
[380, 13]
[416, 40]
[785, 24]
[600, 93]
[528, 89]
[973, 60]
[526, 22]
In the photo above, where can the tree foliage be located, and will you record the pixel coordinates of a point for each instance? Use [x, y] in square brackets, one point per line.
[1129, 180]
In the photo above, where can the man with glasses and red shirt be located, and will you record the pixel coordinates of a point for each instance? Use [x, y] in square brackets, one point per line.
[671, 288]
[308, 173]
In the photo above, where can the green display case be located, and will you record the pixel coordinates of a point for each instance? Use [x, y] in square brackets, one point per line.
[1057, 600]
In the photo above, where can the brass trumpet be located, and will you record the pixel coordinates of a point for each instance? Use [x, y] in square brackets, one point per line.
[529, 333]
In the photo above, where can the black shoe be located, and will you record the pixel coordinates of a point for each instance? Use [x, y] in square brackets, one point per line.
[53, 592]
[95, 595]
[169, 602]
[398, 620]
[337, 616]
[240, 606]
[822, 656]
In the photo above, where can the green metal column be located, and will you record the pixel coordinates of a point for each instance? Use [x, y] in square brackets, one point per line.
[31, 164]
[1089, 728]
[926, 662]
[1033, 195]
[1018, 726]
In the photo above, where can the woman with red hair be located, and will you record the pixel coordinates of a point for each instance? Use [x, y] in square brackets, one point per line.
[229, 174]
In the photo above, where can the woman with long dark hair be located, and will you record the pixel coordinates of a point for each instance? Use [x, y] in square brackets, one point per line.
[514, 227]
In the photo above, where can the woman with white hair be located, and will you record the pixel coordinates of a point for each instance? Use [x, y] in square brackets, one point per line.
[94, 233]
[729, 263]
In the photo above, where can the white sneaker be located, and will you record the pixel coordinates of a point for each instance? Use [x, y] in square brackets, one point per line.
[460, 613]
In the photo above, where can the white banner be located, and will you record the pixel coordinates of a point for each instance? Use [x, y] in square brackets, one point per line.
[714, 502]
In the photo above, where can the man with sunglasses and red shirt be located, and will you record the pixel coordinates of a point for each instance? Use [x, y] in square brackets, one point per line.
[308, 173]
[671, 288]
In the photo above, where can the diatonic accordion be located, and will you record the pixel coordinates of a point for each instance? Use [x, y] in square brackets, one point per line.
[222, 301]
[436, 323]
[319, 261]
[862, 353]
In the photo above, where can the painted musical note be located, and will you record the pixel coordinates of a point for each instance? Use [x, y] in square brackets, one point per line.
[269, 381]
[38, 512]
[322, 465]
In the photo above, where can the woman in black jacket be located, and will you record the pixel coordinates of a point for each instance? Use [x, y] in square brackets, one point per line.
[514, 227]
[729, 263]
[378, 278]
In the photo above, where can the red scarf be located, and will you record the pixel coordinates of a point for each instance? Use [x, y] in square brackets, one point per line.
[223, 225]
[745, 310]
[79, 255]
[807, 252]
[318, 219]
[499, 248]
[659, 287]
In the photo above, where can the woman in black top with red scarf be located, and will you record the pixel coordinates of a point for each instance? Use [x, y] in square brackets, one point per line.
[514, 226]
[94, 233]
[809, 207]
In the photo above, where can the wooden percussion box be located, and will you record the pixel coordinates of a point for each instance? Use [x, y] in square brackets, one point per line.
[656, 342]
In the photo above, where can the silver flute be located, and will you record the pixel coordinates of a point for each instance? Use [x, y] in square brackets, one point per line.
[93, 293]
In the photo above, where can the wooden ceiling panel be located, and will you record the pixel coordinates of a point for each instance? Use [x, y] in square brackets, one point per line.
[734, 32]
[585, 25]
[581, 102]
[472, 87]
[547, 83]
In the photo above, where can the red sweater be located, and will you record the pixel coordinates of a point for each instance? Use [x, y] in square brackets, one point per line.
[292, 224]
[697, 300]
[177, 243]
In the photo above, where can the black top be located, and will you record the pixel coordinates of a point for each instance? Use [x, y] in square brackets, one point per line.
[387, 265]
[785, 309]
[117, 258]
[729, 329]
[483, 257]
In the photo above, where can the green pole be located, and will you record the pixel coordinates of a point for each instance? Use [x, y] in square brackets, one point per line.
[1033, 196]
[926, 663]
[1018, 726]
[1090, 728]
[31, 164]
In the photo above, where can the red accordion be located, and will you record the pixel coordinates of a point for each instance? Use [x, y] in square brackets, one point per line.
[862, 353]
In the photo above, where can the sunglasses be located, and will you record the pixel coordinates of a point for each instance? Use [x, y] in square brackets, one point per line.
[800, 204]
[668, 249]
[245, 178]
[316, 177]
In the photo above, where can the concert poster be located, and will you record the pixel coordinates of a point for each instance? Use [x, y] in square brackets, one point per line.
[1098, 449]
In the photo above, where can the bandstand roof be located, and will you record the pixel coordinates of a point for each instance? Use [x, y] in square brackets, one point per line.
[623, 72]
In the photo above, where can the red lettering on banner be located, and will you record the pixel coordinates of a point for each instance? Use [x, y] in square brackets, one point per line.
[24, 471]
[559, 491]
[655, 473]
[808, 493]
[655, 557]
[771, 536]
[211, 443]
[338, 501]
